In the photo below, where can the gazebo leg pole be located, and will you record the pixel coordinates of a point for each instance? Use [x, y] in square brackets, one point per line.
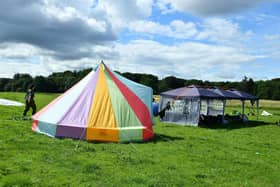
[257, 110]
[199, 105]
[224, 107]
[243, 103]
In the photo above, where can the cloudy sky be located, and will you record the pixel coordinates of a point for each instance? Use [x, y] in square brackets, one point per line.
[201, 39]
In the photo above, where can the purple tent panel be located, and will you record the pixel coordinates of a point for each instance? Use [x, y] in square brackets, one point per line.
[71, 131]
[77, 115]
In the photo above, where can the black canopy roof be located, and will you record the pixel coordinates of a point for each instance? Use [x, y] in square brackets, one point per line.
[193, 91]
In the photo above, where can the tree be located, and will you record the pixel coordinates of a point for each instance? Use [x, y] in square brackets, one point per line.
[3, 83]
[61, 81]
[132, 76]
[247, 85]
[20, 82]
[170, 82]
[151, 81]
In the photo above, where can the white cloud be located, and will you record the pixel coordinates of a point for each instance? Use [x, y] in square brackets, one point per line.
[223, 31]
[122, 12]
[208, 8]
[183, 30]
[67, 13]
[272, 36]
[270, 46]
[82, 6]
[11, 68]
[176, 29]
[186, 60]
[53, 26]
[12, 50]
[217, 30]
[44, 66]
[41, 37]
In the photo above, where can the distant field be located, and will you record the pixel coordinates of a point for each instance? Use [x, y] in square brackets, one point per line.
[262, 103]
[245, 154]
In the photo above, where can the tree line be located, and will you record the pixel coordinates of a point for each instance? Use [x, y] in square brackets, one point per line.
[61, 81]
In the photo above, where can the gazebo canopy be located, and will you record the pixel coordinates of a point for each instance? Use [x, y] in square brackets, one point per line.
[225, 93]
[194, 91]
[243, 95]
[185, 105]
[191, 91]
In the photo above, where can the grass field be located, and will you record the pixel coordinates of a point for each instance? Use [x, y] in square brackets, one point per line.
[241, 155]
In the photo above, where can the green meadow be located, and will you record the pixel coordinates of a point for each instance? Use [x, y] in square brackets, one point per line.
[244, 154]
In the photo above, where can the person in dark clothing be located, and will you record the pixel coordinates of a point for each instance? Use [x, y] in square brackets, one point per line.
[29, 100]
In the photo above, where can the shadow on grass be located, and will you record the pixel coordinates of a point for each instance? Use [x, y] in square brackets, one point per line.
[157, 138]
[164, 138]
[234, 125]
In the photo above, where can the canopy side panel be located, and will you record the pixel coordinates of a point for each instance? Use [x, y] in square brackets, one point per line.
[46, 128]
[53, 102]
[128, 135]
[140, 109]
[78, 114]
[180, 111]
[54, 113]
[101, 124]
[71, 132]
[73, 124]
[125, 116]
[143, 92]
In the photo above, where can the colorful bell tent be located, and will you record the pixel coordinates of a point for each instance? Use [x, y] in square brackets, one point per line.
[103, 106]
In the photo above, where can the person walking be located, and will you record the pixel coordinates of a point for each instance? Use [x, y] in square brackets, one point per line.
[29, 100]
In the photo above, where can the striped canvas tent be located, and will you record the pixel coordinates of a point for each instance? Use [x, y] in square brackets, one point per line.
[103, 106]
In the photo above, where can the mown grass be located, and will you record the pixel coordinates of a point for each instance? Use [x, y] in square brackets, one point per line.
[247, 155]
